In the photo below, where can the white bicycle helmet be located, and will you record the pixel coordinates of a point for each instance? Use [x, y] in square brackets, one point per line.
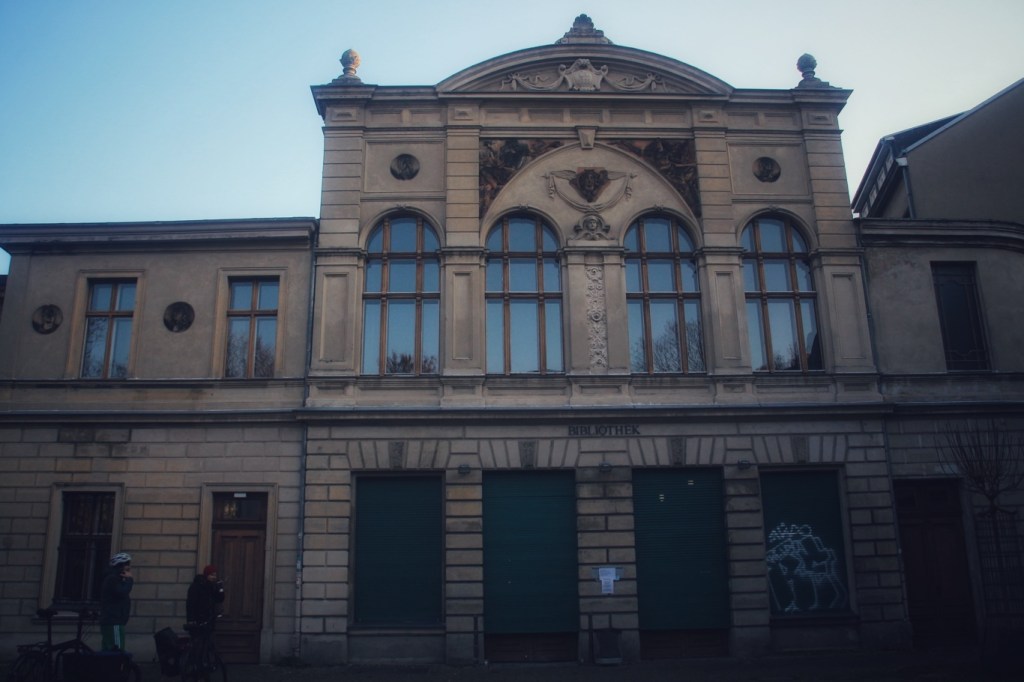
[120, 558]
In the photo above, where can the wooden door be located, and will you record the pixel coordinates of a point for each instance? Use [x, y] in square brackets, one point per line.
[935, 561]
[239, 543]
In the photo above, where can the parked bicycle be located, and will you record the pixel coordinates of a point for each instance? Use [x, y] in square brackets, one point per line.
[201, 661]
[43, 661]
[61, 662]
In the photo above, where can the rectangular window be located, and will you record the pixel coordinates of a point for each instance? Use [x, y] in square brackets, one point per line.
[87, 525]
[805, 545]
[398, 553]
[963, 337]
[108, 329]
[252, 328]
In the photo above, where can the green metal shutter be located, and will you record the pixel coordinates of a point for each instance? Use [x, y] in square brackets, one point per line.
[682, 574]
[805, 551]
[530, 561]
[398, 560]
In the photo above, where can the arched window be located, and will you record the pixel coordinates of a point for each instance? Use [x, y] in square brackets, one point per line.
[781, 311]
[401, 298]
[663, 298]
[524, 298]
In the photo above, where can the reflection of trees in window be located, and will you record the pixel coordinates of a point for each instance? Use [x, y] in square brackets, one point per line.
[781, 302]
[401, 298]
[108, 329]
[84, 548]
[662, 298]
[252, 327]
[524, 298]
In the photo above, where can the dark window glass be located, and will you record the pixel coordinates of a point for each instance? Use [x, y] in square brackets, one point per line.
[781, 316]
[401, 295]
[87, 524]
[663, 298]
[252, 327]
[108, 329]
[963, 336]
[524, 297]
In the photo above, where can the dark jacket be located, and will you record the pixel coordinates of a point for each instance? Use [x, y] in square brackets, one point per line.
[203, 597]
[115, 602]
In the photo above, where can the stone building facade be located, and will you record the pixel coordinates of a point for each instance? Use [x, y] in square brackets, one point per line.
[576, 364]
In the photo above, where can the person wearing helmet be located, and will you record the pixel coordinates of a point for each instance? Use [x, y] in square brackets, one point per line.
[115, 601]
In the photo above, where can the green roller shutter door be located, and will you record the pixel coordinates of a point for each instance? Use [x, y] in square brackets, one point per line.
[398, 555]
[530, 560]
[682, 576]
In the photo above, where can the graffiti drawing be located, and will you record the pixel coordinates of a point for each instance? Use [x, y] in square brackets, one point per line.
[803, 572]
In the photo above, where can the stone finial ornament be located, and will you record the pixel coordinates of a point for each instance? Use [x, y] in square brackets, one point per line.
[350, 63]
[806, 64]
[583, 31]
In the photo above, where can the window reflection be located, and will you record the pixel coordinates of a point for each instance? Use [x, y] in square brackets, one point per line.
[778, 281]
[523, 295]
[663, 298]
[401, 294]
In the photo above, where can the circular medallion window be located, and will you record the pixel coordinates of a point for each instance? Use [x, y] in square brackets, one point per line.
[405, 167]
[767, 169]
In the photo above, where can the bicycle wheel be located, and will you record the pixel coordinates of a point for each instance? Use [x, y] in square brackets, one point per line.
[214, 666]
[31, 666]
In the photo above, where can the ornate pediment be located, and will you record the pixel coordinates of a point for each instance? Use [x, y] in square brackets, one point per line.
[581, 68]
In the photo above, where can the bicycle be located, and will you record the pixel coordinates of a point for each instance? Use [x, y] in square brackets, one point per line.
[48, 662]
[43, 661]
[201, 661]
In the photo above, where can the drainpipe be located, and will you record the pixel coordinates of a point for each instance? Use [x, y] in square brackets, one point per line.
[301, 538]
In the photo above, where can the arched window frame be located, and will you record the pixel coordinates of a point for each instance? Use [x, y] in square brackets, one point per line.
[402, 290]
[511, 293]
[778, 278]
[663, 288]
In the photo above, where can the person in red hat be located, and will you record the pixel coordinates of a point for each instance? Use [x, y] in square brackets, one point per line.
[204, 594]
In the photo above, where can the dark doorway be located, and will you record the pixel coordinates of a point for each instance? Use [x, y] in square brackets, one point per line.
[239, 543]
[935, 561]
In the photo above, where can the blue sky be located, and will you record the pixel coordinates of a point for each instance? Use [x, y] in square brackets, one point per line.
[113, 110]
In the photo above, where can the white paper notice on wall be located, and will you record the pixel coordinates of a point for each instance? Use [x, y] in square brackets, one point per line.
[607, 576]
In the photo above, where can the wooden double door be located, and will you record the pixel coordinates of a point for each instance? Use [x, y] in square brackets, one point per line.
[935, 561]
[238, 551]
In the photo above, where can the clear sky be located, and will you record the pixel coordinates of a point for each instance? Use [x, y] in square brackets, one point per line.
[116, 110]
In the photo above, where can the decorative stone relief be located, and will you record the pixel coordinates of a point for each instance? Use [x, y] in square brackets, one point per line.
[500, 160]
[47, 318]
[396, 454]
[675, 160]
[597, 320]
[589, 184]
[581, 76]
[528, 453]
[178, 317]
[592, 227]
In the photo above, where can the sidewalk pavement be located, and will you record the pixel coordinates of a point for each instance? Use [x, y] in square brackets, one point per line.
[941, 666]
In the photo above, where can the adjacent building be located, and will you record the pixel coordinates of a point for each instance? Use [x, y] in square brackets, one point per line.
[941, 220]
[576, 364]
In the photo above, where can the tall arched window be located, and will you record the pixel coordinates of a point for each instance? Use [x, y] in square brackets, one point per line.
[524, 298]
[781, 310]
[663, 298]
[401, 298]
